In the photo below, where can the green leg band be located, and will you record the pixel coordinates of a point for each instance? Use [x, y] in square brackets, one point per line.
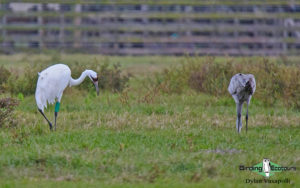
[57, 106]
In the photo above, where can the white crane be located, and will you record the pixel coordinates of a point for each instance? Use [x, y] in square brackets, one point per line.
[242, 87]
[51, 84]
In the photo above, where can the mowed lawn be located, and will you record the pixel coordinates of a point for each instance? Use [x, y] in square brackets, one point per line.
[123, 140]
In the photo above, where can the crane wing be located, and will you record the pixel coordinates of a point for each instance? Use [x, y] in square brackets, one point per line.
[51, 84]
[235, 85]
[238, 82]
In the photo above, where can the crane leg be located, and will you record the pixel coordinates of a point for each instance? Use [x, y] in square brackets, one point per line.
[55, 116]
[50, 124]
[57, 105]
[247, 118]
[239, 115]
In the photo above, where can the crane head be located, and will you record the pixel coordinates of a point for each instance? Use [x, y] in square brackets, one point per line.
[93, 76]
[95, 82]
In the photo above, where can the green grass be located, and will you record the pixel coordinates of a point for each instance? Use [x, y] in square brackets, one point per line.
[186, 140]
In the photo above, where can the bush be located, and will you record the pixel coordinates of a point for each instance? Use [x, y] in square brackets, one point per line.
[110, 78]
[7, 106]
[25, 82]
[211, 78]
[273, 81]
[4, 75]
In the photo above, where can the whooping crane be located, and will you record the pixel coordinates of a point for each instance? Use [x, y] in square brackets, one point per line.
[242, 87]
[51, 84]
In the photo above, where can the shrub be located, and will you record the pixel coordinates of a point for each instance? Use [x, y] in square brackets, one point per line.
[273, 81]
[291, 92]
[25, 82]
[7, 106]
[211, 77]
[110, 77]
[171, 80]
[4, 75]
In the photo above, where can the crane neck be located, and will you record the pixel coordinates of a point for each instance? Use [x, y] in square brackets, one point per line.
[78, 80]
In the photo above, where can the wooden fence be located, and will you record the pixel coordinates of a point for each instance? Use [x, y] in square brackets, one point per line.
[146, 27]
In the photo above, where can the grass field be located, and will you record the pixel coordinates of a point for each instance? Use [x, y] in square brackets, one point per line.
[119, 140]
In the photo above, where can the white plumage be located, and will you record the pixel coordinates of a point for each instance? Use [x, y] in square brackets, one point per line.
[51, 85]
[242, 87]
[52, 82]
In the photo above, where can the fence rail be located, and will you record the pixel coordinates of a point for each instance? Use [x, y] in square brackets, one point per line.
[163, 27]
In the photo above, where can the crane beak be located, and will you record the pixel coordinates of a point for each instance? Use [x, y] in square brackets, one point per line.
[96, 86]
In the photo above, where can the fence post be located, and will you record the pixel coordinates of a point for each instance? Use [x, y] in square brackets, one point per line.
[61, 30]
[77, 23]
[3, 25]
[3, 30]
[40, 26]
